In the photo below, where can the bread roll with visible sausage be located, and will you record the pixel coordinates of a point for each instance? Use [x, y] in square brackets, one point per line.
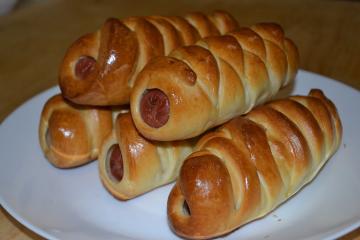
[201, 86]
[71, 135]
[100, 68]
[252, 164]
[130, 165]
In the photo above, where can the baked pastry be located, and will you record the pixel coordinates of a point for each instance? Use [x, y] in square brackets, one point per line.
[204, 85]
[252, 164]
[100, 68]
[71, 135]
[130, 165]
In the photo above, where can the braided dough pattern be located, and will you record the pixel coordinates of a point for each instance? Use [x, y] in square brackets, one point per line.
[146, 164]
[250, 165]
[217, 79]
[100, 68]
[72, 135]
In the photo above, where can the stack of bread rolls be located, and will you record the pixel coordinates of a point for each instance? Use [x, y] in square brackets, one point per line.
[157, 99]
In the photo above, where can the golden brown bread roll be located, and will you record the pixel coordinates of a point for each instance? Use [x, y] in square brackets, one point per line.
[100, 68]
[130, 165]
[201, 86]
[252, 164]
[71, 135]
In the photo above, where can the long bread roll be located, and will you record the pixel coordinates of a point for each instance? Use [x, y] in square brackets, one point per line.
[130, 165]
[201, 86]
[252, 164]
[71, 135]
[100, 68]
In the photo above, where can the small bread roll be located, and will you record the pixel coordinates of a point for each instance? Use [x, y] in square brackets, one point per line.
[100, 68]
[252, 164]
[130, 165]
[204, 85]
[71, 135]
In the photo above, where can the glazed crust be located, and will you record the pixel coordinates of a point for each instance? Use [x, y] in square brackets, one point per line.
[71, 135]
[120, 49]
[146, 164]
[252, 164]
[216, 79]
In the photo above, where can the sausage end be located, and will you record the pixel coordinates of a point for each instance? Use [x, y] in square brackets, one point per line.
[116, 164]
[84, 66]
[155, 108]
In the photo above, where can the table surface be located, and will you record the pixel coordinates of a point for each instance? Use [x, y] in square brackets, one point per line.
[33, 40]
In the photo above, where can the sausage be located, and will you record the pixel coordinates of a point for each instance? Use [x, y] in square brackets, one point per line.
[116, 163]
[84, 66]
[186, 209]
[155, 108]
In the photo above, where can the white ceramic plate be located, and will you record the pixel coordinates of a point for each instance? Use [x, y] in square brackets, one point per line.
[72, 204]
